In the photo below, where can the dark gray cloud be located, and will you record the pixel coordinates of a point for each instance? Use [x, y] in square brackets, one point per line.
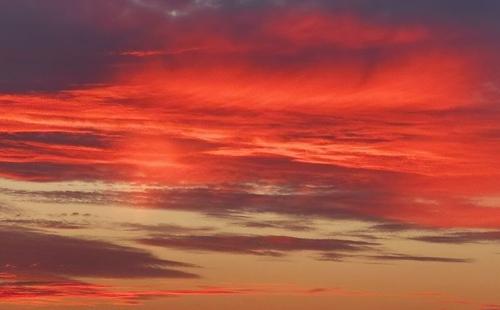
[337, 250]
[336, 257]
[43, 223]
[342, 198]
[291, 225]
[462, 237]
[456, 9]
[255, 245]
[404, 257]
[164, 228]
[29, 252]
[85, 139]
[396, 227]
[57, 44]
[54, 44]
[52, 171]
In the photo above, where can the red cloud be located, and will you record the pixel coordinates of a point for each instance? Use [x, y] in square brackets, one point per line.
[79, 293]
[383, 109]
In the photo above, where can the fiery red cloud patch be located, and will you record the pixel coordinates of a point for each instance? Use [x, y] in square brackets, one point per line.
[79, 294]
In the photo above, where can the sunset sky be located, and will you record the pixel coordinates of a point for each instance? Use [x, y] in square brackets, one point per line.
[250, 154]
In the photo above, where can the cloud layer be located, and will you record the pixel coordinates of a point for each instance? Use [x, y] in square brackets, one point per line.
[269, 116]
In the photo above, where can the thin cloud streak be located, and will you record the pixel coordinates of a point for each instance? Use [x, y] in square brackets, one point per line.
[256, 245]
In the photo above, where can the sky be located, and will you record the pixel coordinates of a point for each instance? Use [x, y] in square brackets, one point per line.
[272, 154]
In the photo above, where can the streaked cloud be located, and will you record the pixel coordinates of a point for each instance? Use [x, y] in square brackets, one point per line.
[29, 252]
[256, 245]
[462, 237]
